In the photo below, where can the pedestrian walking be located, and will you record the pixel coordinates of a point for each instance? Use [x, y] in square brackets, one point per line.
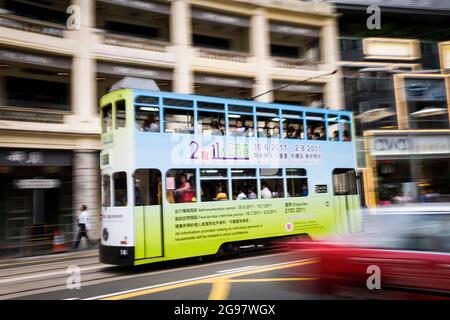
[83, 223]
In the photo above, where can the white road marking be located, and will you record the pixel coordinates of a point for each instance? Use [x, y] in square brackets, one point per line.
[76, 298]
[49, 274]
[237, 269]
[187, 280]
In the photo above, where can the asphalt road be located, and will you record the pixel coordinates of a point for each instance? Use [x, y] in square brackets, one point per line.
[258, 275]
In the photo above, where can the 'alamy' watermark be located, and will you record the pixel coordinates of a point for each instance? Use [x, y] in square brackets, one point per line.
[74, 20]
[374, 21]
[374, 280]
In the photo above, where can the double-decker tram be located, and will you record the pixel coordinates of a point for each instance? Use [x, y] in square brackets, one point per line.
[186, 175]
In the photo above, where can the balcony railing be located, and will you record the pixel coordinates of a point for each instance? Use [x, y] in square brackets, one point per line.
[31, 25]
[227, 55]
[134, 42]
[290, 63]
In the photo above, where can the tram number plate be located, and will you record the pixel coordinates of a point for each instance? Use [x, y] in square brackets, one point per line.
[321, 188]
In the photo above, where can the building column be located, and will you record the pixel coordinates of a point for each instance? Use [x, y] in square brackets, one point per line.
[86, 187]
[180, 33]
[259, 47]
[83, 75]
[330, 56]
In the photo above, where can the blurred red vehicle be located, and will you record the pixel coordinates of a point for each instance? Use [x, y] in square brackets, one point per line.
[409, 251]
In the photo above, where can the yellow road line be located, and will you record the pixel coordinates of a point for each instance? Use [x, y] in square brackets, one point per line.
[208, 280]
[220, 290]
[271, 279]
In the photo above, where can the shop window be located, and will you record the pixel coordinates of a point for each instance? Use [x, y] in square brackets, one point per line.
[106, 189]
[178, 120]
[147, 118]
[180, 186]
[214, 184]
[120, 114]
[120, 189]
[107, 118]
[344, 182]
[211, 123]
[147, 187]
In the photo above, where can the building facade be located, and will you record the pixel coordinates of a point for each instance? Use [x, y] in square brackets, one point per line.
[396, 80]
[59, 57]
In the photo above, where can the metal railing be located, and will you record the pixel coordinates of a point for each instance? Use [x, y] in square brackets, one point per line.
[218, 54]
[31, 25]
[291, 63]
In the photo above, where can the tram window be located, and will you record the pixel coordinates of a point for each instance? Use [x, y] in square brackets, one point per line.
[271, 172]
[272, 188]
[222, 173]
[344, 182]
[120, 189]
[346, 132]
[236, 108]
[333, 131]
[316, 130]
[180, 186]
[147, 100]
[243, 172]
[296, 172]
[293, 125]
[211, 123]
[147, 118]
[244, 189]
[106, 188]
[178, 121]
[268, 127]
[107, 118]
[210, 105]
[297, 187]
[240, 125]
[178, 103]
[147, 187]
[214, 190]
[120, 114]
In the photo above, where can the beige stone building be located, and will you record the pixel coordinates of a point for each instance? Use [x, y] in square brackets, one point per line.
[58, 59]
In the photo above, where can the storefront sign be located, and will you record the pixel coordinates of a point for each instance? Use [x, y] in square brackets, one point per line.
[37, 183]
[31, 27]
[389, 146]
[10, 157]
[222, 81]
[309, 88]
[107, 68]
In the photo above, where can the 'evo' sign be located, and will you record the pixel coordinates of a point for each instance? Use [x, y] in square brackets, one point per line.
[388, 145]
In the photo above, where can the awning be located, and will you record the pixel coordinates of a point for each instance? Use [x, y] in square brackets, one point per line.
[223, 81]
[294, 30]
[375, 114]
[133, 71]
[220, 18]
[141, 5]
[427, 112]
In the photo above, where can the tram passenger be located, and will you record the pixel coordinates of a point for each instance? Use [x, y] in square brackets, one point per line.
[322, 135]
[150, 125]
[276, 132]
[221, 195]
[241, 195]
[265, 191]
[278, 193]
[239, 130]
[215, 128]
[251, 194]
[347, 136]
[335, 136]
[290, 133]
[184, 192]
[299, 134]
[310, 133]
